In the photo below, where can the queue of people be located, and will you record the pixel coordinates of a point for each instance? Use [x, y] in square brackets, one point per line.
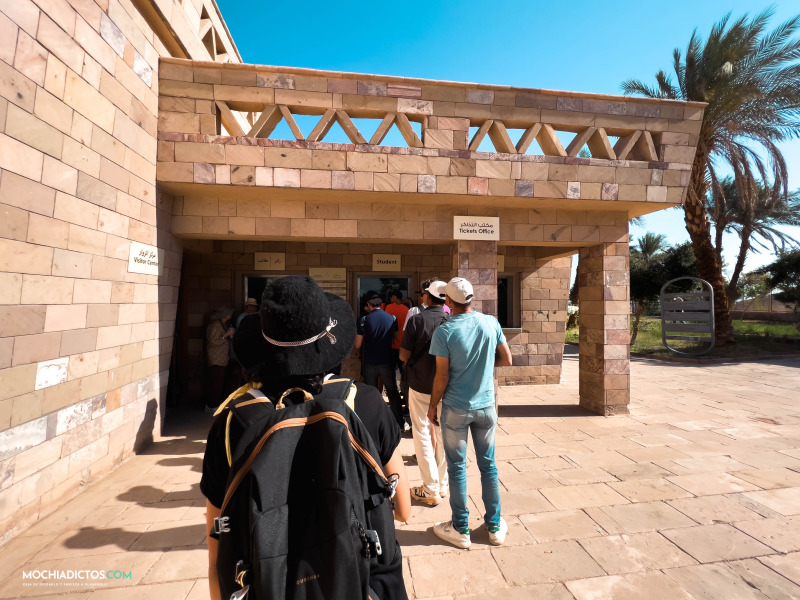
[447, 353]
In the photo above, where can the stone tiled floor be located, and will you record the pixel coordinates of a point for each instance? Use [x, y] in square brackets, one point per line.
[694, 495]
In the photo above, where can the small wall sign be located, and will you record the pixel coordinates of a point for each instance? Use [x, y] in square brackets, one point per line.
[270, 261]
[328, 274]
[145, 259]
[386, 262]
[330, 279]
[476, 228]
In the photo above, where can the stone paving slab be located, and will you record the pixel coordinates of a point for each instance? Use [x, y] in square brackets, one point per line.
[695, 494]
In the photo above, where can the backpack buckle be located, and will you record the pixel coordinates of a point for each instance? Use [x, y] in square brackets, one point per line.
[374, 541]
[221, 525]
[391, 485]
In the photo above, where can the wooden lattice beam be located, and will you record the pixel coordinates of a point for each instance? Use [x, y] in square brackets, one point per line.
[579, 141]
[287, 116]
[382, 129]
[323, 127]
[527, 138]
[644, 149]
[600, 145]
[625, 144]
[479, 135]
[229, 120]
[407, 131]
[349, 127]
[549, 142]
[500, 138]
[266, 122]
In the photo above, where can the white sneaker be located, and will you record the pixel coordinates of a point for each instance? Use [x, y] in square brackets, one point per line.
[448, 533]
[419, 493]
[497, 533]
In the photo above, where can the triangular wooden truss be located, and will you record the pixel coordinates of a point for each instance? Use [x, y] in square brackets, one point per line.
[636, 146]
[263, 124]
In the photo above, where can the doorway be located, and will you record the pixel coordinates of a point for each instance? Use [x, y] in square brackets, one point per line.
[383, 285]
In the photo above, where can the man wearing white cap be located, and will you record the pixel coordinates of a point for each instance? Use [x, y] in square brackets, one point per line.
[421, 368]
[467, 348]
[250, 308]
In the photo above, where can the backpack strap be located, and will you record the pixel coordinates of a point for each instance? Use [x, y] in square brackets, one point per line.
[247, 412]
[306, 396]
[237, 394]
[301, 422]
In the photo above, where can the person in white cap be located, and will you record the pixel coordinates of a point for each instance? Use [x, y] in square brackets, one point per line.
[467, 348]
[420, 368]
[250, 308]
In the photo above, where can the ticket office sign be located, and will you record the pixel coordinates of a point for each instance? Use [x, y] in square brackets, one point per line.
[476, 228]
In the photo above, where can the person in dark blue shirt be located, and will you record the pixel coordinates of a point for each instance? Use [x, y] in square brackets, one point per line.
[376, 330]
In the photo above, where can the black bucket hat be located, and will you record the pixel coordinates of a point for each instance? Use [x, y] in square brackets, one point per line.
[300, 330]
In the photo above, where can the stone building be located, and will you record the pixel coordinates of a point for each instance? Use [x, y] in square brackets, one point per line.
[146, 177]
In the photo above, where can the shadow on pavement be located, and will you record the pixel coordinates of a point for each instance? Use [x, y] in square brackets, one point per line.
[543, 410]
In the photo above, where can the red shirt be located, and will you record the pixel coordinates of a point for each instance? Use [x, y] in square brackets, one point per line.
[400, 312]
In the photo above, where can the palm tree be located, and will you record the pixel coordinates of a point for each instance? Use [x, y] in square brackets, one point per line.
[750, 79]
[650, 244]
[644, 274]
[755, 216]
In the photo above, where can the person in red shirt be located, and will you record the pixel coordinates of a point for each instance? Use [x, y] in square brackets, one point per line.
[400, 312]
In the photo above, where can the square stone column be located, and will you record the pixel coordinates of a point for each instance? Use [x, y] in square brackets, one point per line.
[476, 261]
[604, 301]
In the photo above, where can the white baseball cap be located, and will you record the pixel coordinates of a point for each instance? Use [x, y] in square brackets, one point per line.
[437, 289]
[460, 290]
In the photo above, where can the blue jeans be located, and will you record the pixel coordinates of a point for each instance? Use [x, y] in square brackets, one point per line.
[456, 424]
[386, 373]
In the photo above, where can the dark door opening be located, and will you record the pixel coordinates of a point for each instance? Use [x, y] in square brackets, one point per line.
[383, 286]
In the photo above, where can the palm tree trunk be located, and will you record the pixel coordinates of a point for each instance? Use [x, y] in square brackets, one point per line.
[718, 231]
[638, 315]
[699, 228]
[744, 248]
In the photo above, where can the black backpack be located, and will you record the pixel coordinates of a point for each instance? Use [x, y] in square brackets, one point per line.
[306, 512]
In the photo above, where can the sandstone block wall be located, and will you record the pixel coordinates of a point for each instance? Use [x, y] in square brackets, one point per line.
[537, 347]
[78, 124]
[648, 163]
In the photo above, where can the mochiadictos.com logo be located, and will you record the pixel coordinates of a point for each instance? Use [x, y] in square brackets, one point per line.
[73, 576]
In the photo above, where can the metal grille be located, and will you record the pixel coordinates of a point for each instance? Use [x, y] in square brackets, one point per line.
[688, 315]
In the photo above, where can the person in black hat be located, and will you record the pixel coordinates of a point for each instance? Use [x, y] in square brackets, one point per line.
[300, 338]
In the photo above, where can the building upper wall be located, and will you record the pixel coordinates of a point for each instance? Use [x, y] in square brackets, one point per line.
[191, 29]
[641, 149]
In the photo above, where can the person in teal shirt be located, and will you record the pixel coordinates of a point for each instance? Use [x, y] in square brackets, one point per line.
[467, 348]
[250, 307]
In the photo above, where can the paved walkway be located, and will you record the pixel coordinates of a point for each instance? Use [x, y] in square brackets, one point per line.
[695, 495]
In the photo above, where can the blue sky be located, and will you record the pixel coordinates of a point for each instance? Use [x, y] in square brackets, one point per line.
[584, 45]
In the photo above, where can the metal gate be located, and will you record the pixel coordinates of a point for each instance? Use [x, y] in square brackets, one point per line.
[688, 316]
